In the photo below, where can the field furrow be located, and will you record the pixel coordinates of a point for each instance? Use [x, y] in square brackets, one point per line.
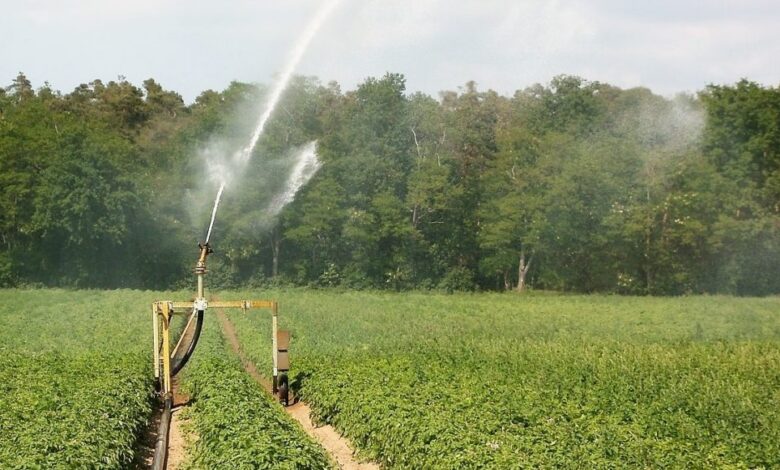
[237, 423]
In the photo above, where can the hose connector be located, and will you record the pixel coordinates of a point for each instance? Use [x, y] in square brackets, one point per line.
[205, 250]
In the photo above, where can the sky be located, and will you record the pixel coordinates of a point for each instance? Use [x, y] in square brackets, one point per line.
[194, 45]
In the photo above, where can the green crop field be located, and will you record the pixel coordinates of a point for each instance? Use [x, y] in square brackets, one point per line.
[76, 388]
[490, 380]
[415, 380]
[237, 423]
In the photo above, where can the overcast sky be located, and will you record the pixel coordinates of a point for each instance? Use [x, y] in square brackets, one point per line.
[189, 46]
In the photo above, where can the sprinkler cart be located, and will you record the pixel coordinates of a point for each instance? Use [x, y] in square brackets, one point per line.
[168, 363]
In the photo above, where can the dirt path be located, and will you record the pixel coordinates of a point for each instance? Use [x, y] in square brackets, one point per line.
[337, 446]
[177, 442]
[144, 453]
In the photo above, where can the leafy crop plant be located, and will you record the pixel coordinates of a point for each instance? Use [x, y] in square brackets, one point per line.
[424, 380]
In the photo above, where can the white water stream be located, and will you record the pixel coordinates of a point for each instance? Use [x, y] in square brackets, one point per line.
[306, 165]
[306, 162]
[214, 211]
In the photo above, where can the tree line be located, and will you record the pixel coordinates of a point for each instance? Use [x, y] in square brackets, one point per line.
[570, 186]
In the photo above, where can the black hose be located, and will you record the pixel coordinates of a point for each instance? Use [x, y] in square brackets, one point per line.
[175, 368]
[161, 446]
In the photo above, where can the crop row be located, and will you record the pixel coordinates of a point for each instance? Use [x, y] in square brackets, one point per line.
[74, 378]
[238, 425]
[557, 405]
[453, 383]
[79, 411]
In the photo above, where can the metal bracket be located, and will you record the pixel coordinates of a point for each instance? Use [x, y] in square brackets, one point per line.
[163, 311]
[200, 304]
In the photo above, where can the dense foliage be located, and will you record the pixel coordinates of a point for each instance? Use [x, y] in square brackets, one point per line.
[237, 423]
[76, 389]
[575, 185]
[473, 381]
[416, 380]
[75, 382]
[71, 410]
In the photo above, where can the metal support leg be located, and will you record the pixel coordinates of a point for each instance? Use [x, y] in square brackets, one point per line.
[274, 312]
[156, 354]
[166, 321]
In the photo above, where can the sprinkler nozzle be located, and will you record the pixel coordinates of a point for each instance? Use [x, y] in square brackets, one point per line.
[205, 250]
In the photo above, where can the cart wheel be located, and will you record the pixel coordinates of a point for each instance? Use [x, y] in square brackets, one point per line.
[283, 390]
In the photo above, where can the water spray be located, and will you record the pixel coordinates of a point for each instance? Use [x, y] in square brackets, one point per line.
[214, 211]
[167, 362]
[276, 92]
[306, 165]
[242, 157]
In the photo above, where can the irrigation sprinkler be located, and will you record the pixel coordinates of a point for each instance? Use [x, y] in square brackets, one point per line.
[168, 362]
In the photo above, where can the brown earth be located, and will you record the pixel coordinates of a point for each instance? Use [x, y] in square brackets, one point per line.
[144, 453]
[337, 446]
[177, 439]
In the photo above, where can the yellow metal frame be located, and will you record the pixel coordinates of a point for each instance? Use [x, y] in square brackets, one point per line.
[243, 304]
[163, 312]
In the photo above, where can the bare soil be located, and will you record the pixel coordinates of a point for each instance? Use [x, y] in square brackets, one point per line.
[177, 439]
[144, 454]
[337, 446]
[177, 444]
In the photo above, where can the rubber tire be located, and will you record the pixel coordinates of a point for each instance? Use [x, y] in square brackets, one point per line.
[284, 390]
